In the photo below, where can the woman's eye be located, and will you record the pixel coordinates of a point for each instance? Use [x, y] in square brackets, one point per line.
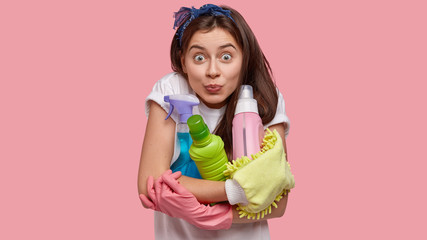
[226, 57]
[199, 58]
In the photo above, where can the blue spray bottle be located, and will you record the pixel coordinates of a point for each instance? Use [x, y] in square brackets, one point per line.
[184, 105]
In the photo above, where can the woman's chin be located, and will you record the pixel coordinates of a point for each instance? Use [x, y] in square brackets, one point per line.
[214, 103]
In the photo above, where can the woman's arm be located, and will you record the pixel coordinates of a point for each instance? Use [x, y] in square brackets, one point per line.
[205, 191]
[281, 205]
[157, 152]
[157, 148]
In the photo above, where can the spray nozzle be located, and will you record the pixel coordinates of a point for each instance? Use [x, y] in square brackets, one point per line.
[184, 105]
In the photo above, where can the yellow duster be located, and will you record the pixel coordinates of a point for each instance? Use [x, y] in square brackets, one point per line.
[264, 178]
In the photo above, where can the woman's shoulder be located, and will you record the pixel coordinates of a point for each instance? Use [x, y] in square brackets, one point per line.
[281, 116]
[174, 83]
[171, 77]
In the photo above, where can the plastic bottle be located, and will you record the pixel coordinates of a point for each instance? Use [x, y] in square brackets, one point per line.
[184, 105]
[207, 150]
[247, 128]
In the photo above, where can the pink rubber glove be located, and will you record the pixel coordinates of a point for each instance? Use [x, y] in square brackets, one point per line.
[152, 193]
[171, 198]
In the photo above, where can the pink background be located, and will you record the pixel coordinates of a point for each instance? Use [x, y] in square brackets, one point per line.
[74, 76]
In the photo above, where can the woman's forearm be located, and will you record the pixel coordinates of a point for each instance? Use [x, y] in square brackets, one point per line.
[214, 191]
[205, 191]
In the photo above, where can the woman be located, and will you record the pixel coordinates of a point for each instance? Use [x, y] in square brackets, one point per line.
[213, 53]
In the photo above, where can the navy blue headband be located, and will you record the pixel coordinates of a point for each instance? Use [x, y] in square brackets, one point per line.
[184, 12]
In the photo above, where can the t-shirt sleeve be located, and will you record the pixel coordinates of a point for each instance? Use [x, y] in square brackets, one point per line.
[280, 116]
[162, 88]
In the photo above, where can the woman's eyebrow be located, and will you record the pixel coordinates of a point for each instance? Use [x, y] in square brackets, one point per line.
[227, 45]
[220, 47]
[197, 47]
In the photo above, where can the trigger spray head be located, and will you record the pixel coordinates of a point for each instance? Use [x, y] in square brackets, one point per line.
[183, 103]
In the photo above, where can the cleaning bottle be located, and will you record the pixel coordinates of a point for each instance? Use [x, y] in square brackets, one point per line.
[247, 128]
[207, 150]
[184, 105]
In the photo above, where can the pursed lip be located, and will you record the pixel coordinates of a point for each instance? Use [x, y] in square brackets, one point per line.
[213, 88]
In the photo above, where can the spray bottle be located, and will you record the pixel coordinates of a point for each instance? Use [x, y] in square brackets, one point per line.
[207, 150]
[247, 128]
[184, 105]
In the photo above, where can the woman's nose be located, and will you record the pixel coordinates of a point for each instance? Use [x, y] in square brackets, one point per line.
[213, 70]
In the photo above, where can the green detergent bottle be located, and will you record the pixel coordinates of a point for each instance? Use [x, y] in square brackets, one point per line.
[207, 150]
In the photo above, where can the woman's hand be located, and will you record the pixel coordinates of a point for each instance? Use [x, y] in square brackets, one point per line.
[152, 202]
[171, 198]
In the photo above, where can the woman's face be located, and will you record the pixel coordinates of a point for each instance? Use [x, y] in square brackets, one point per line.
[212, 63]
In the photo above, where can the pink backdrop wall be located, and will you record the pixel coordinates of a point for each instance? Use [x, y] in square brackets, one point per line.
[74, 75]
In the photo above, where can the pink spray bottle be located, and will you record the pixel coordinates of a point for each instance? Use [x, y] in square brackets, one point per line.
[247, 129]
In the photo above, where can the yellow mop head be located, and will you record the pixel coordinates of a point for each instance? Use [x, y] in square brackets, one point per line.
[264, 178]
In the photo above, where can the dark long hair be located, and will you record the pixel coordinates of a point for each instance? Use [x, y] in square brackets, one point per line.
[255, 69]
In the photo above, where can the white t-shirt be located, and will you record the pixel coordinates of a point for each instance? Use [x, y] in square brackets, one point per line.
[169, 228]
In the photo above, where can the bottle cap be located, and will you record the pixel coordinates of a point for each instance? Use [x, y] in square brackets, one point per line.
[198, 128]
[246, 102]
